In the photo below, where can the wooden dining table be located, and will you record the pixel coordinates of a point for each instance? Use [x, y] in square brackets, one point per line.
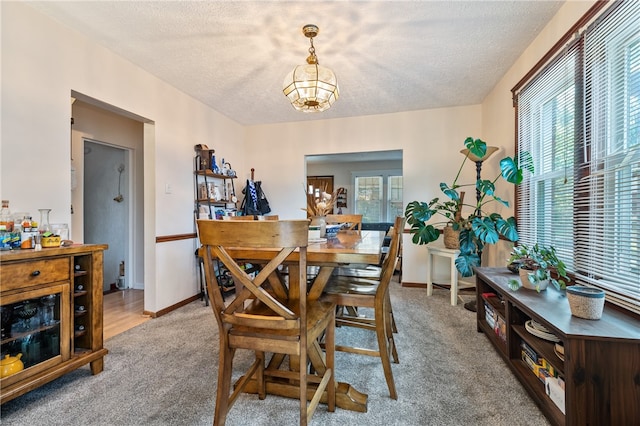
[346, 248]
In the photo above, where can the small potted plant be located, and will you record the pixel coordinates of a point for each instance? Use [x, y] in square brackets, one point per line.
[539, 266]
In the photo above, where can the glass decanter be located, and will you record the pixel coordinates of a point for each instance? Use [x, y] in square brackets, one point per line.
[44, 225]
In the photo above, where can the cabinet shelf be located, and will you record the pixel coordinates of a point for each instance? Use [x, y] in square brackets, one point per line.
[210, 174]
[79, 293]
[79, 273]
[17, 336]
[543, 347]
[214, 201]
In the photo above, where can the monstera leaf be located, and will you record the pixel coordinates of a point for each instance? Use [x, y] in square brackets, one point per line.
[478, 228]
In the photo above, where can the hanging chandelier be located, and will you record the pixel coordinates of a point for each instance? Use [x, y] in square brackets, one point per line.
[311, 87]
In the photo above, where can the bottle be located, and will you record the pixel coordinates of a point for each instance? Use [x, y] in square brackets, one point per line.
[6, 220]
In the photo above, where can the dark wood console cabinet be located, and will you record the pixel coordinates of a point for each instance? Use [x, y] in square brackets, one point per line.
[601, 366]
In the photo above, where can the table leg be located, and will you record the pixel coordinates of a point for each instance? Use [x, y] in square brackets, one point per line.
[454, 282]
[429, 272]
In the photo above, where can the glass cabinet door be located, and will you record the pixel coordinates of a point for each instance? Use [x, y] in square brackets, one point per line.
[34, 333]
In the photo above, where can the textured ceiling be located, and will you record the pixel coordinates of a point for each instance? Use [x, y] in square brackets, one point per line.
[388, 56]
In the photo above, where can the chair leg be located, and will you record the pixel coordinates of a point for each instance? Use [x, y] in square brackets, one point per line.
[383, 348]
[225, 367]
[303, 386]
[390, 328]
[262, 387]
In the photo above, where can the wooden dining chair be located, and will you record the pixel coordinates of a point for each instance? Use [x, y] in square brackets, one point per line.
[353, 221]
[374, 271]
[263, 318]
[369, 293]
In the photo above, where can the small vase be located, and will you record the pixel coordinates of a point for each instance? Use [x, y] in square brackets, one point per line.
[320, 221]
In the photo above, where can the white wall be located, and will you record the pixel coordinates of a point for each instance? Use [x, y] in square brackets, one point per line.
[430, 141]
[42, 62]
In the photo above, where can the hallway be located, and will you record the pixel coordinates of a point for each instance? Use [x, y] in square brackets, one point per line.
[122, 311]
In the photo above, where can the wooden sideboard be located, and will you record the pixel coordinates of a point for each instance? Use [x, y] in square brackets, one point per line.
[52, 316]
[601, 365]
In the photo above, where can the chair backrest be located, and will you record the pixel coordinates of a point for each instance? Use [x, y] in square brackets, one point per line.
[353, 220]
[270, 217]
[389, 263]
[264, 290]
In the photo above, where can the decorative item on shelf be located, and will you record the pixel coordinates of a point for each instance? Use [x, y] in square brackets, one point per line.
[214, 165]
[203, 154]
[6, 312]
[341, 198]
[478, 227]
[11, 365]
[27, 311]
[47, 313]
[311, 87]
[539, 266]
[586, 302]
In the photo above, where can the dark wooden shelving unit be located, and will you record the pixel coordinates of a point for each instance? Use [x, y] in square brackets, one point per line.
[601, 366]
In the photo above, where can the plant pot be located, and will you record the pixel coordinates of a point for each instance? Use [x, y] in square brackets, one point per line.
[451, 238]
[524, 277]
[586, 302]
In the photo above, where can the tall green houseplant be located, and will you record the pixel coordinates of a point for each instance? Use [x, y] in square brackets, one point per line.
[478, 228]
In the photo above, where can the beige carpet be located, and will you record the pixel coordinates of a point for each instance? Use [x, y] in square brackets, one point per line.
[163, 372]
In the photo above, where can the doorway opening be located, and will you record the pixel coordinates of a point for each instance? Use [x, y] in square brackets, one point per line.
[107, 208]
[109, 185]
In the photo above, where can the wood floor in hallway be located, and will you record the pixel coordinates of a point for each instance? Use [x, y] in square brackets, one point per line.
[123, 310]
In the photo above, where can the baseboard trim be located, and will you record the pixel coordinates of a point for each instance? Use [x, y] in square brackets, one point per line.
[409, 284]
[171, 308]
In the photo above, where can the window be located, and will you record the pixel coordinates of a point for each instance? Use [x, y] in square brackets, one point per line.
[378, 196]
[579, 117]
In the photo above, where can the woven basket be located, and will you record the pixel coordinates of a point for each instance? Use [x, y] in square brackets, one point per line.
[586, 302]
[451, 238]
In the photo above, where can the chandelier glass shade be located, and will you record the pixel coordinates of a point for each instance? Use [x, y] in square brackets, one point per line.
[311, 87]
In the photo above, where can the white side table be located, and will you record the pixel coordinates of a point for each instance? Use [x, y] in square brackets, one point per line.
[452, 254]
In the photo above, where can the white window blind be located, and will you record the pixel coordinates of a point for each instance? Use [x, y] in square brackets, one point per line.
[608, 191]
[580, 119]
[547, 129]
